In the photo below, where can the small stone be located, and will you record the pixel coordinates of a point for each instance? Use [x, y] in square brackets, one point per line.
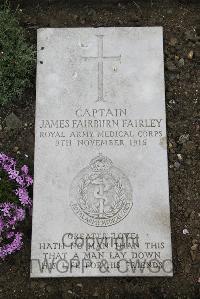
[82, 21]
[79, 285]
[12, 121]
[172, 151]
[181, 62]
[194, 241]
[15, 149]
[177, 164]
[169, 11]
[190, 55]
[188, 161]
[75, 17]
[49, 288]
[1, 128]
[185, 231]
[96, 294]
[190, 35]
[194, 251]
[177, 57]
[69, 292]
[173, 41]
[183, 138]
[171, 66]
[189, 146]
[192, 215]
[172, 102]
[172, 77]
[194, 247]
[41, 284]
[180, 157]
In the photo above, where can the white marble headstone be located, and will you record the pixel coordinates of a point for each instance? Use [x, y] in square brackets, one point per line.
[101, 200]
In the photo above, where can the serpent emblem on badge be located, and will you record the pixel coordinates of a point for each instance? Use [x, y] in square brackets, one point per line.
[101, 194]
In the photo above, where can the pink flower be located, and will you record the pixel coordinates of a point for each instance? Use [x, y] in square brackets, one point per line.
[20, 180]
[20, 214]
[10, 234]
[7, 167]
[29, 180]
[24, 169]
[23, 196]
[13, 174]
[5, 208]
[3, 157]
[10, 213]
[15, 245]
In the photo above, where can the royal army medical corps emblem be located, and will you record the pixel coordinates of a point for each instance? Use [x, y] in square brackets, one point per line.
[101, 194]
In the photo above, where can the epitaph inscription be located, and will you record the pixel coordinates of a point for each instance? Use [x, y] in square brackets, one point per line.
[101, 198]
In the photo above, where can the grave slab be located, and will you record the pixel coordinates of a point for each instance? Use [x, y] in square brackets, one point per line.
[101, 198]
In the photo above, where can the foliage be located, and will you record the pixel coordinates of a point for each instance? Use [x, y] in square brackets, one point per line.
[16, 57]
[21, 179]
[6, 188]
[14, 199]
[11, 240]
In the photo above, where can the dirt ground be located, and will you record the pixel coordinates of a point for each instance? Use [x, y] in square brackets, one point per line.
[181, 23]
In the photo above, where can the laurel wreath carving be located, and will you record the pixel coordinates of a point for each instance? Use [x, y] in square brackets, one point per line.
[120, 197]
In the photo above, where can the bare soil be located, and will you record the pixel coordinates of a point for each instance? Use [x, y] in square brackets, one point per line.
[181, 23]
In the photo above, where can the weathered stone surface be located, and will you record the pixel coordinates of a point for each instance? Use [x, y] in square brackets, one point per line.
[101, 205]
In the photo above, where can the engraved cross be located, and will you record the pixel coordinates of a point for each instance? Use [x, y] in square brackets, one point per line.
[100, 58]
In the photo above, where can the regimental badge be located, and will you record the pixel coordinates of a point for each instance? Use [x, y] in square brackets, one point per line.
[101, 194]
